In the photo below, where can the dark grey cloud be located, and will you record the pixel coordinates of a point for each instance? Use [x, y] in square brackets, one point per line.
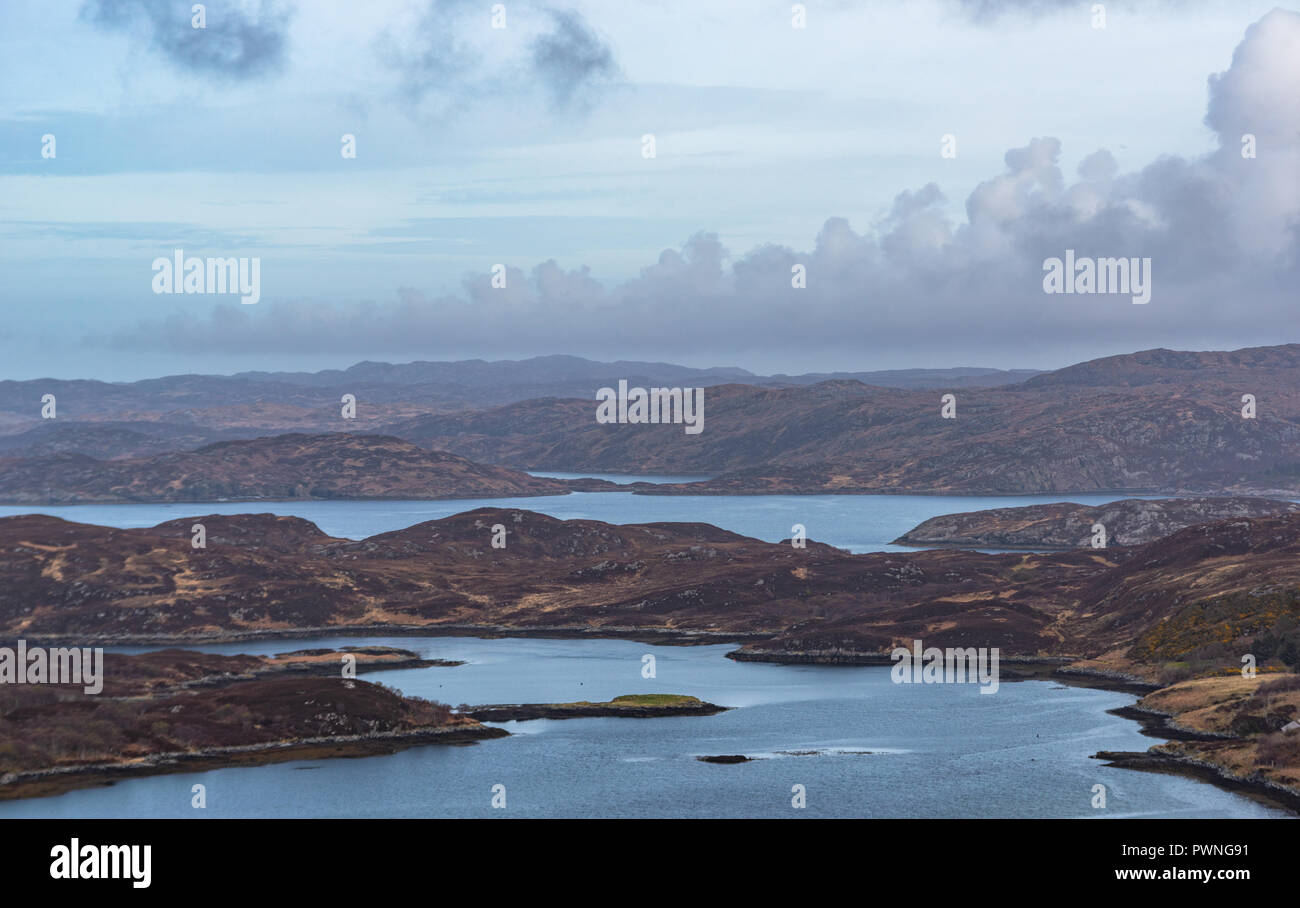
[239, 41]
[1222, 231]
[431, 59]
[571, 58]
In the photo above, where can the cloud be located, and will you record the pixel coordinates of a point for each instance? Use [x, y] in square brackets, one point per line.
[1259, 95]
[1223, 233]
[431, 58]
[239, 41]
[451, 55]
[571, 58]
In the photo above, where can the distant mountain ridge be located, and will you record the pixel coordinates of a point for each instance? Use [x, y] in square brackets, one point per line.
[1152, 422]
[1163, 367]
[181, 412]
[1085, 428]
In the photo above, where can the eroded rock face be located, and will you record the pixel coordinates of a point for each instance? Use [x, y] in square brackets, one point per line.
[1066, 525]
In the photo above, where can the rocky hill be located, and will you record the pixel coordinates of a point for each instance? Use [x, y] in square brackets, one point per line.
[1202, 593]
[282, 467]
[1157, 421]
[1150, 422]
[110, 420]
[1066, 525]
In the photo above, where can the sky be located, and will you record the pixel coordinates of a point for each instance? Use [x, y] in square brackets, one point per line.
[777, 148]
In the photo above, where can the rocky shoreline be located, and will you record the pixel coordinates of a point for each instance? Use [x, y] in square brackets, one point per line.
[1162, 725]
[1261, 789]
[376, 663]
[1027, 667]
[57, 780]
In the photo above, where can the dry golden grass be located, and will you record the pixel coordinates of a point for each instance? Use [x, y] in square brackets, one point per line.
[1210, 704]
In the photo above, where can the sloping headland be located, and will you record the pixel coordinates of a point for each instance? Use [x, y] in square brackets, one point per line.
[177, 711]
[1065, 525]
[281, 467]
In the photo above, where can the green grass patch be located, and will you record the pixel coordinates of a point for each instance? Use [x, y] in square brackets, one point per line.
[636, 700]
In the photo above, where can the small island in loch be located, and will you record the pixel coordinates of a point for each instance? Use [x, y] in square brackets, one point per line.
[628, 706]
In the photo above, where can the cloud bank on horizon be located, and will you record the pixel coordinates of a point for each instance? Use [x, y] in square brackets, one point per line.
[1223, 233]
[928, 279]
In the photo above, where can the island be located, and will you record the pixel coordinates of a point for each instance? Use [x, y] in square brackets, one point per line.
[628, 706]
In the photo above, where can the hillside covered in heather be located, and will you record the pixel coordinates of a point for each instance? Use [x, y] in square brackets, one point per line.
[1201, 593]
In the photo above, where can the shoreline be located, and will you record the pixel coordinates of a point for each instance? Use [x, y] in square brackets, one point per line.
[1284, 494]
[1040, 668]
[40, 783]
[1271, 793]
[1162, 725]
[524, 712]
[643, 487]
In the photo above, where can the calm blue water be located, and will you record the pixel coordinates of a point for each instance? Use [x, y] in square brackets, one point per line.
[858, 523]
[936, 750]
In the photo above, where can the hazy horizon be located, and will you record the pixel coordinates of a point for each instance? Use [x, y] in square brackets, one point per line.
[525, 358]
